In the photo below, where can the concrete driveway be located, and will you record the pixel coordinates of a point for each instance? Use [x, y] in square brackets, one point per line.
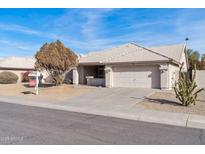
[109, 98]
[114, 102]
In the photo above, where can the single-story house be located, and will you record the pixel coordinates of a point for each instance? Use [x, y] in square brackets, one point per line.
[17, 65]
[21, 65]
[128, 65]
[132, 65]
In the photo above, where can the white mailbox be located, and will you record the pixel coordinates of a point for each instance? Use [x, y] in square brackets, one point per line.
[34, 79]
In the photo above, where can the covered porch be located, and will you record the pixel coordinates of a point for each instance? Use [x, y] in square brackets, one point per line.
[92, 75]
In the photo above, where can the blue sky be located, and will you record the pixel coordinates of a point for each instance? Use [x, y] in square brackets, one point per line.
[24, 31]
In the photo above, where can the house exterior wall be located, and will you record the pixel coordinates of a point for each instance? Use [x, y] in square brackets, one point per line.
[164, 76]
[17, 72]
[200, 81]
[173, 75]
[75, 76]
[183, 59]
[108, 77]
[47, 78]
[169, 75]
[156, 75]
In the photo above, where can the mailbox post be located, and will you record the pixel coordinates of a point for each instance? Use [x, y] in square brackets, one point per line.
[37, 82]
[36, 75]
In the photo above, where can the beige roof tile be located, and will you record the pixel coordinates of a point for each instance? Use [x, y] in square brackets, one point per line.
[17, 62]
[172, 51]
[134, 53]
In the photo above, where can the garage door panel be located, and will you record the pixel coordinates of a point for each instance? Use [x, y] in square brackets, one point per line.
[136, 76]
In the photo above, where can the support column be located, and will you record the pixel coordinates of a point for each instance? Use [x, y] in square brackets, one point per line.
[108, 77]
[164, 76]
[75, 76]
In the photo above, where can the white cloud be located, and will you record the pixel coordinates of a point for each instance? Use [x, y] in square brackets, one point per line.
[8, 46]
[18, 28]
[94, 23]
[92, 32]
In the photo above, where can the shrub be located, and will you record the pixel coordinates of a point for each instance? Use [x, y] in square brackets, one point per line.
[25, 77]
[56, 59]
[8, 78]
[185, 88]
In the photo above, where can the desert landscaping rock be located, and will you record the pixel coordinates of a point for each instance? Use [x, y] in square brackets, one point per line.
[166, 101]
[51, 94]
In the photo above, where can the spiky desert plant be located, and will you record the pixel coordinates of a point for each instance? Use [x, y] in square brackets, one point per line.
[186, 88]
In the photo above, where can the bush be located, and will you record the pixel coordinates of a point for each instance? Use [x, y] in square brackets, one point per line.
[25, 77]
[8, 78]
[56, 59]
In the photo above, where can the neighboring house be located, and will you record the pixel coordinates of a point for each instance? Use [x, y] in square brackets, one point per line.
[132, 65]
[21, 65]
[17, 65]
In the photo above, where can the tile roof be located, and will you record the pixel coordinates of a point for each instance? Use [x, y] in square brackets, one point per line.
[134, 53]
[172, 51]
[17, 62]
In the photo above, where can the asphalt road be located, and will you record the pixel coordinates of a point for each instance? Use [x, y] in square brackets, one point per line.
[32, 125]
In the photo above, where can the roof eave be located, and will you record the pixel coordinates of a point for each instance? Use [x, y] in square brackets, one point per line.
[125, 62]
[175, 62]
[91, 63]
[15, 68]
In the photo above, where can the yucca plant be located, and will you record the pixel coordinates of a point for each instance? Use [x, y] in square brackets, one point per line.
[186, 88]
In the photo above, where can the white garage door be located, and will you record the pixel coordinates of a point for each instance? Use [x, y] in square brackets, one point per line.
[136, 76]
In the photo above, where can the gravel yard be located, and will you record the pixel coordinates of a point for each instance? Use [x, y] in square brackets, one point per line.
[166, 101]
[53, 93]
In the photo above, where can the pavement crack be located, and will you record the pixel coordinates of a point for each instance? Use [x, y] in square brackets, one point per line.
[79, 122]
[200, 136]
[96, 138]
[187, 120]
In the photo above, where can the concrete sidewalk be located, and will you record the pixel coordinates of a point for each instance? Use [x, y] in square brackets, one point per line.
[128, 112]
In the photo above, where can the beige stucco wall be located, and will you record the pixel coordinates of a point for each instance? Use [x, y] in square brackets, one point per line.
[164, 76]
[163, 79]
[173, 75]
[184, 60]
[46, 77]
[200, 81]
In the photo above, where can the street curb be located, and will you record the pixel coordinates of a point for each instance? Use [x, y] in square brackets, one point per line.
[153, 116]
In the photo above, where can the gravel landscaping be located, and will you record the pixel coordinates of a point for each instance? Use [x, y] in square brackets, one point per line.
[53, 93]
[166, 101]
